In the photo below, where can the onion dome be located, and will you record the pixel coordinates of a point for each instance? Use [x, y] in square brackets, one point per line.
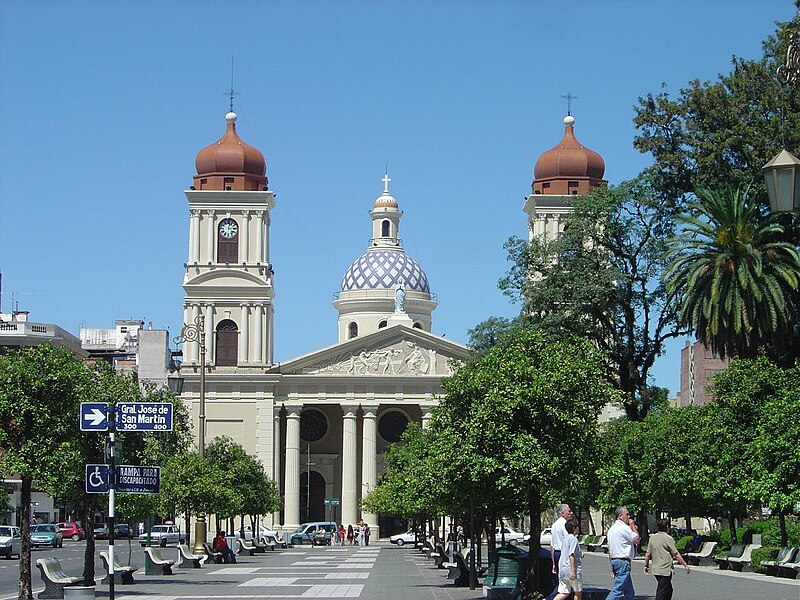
[384, 268]
[569, 167]
[230, 163]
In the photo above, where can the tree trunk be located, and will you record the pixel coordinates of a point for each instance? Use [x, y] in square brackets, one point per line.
[532, 583]
[188, 515]
[25, 592]
[782, 521]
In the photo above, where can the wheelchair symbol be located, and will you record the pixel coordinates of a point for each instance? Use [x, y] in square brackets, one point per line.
[96, 478]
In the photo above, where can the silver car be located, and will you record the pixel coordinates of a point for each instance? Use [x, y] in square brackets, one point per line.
[10, 541]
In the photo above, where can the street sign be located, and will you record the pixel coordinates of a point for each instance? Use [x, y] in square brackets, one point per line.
[137, 479]
[144, 416]
[131, 479]
[94, 416]
[96, 479]
[331, 502]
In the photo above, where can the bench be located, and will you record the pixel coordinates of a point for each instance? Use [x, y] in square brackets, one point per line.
[461, 578]
[213, 555]
[743, 562]
[722, 561]
[154, 557]
[54, 578]
[788, 569]
[703, 555]
[249, 547]
[597, 545]
[123, 574]
[785, 555]
[439, 556]
[270, 541]
[187, 559]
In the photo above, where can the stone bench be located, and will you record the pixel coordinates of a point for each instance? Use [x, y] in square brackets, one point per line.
[187, 559]
[155, 558]
[54, 578]
[123, 574]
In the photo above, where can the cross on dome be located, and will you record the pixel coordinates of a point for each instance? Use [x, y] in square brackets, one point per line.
[386, 179]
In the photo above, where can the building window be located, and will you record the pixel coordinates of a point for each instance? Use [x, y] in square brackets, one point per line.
[391, 425]
[382, 324]
[385, 229]
[313, 425]
[228, 241]
[352, 330]
[417, 325]
[227, 343]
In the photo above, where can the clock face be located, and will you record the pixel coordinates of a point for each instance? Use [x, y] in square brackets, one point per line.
[228, 228]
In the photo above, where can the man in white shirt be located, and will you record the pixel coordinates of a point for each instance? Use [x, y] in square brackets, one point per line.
[622, 538]
[559, 532]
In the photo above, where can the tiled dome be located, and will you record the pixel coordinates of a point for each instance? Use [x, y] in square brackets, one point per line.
[384, 268]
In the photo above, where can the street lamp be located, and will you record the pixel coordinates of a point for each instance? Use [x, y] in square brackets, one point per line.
[191, 333]
[782, 173]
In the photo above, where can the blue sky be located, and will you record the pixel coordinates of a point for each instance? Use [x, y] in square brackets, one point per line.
[104, 106]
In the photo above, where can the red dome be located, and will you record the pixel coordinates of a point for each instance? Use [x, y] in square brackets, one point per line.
[569, 158]
[230, 163]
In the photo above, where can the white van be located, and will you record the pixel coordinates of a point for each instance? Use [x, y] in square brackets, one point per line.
[307, 532]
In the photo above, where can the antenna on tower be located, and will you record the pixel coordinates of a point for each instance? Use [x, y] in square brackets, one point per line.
[231, 92]
[569, 98]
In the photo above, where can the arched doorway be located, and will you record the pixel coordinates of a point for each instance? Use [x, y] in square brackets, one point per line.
[312, 497]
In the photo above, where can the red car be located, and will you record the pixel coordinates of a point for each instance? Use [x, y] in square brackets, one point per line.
[71, 530]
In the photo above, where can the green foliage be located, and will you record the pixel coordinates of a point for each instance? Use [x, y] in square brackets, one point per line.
[193, 484]
[680, 544]
[735, 274]
[601, 280]
[485, 335]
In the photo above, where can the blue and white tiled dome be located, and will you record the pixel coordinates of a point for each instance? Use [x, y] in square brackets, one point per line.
[384, 268]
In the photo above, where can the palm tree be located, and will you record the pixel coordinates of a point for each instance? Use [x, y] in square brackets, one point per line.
[734, 274]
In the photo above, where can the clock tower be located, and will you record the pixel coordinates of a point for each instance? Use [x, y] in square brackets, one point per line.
[228, 278]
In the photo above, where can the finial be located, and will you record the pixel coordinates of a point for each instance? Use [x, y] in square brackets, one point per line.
[569, 98]
[386, 180]
[231, 92]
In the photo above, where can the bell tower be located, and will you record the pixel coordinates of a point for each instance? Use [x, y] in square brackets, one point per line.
[228, 277]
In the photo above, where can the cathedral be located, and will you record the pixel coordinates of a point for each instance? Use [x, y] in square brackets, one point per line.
[321, 423]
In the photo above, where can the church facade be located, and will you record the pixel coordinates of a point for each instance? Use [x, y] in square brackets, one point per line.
[319, 423]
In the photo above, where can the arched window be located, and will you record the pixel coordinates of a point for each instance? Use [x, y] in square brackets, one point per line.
[352, 330]
[417, 325]
[385, 229]
[228, 241]
[382, 324]
[227, 343]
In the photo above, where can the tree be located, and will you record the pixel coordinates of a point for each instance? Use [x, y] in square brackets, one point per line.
[40, 393]
[525, 414]
[601, 280]
[719, 134]
[735, 274]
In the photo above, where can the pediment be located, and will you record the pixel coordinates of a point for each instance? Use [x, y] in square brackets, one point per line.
[391, 352]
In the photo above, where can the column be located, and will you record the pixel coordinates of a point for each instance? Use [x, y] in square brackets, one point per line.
[244, 238]
[260, 236]
[276, 457]
[194, 236]
[349, 474]
[209, 321]
[369, 461]
[244, 334]
[211, 232]
[258, 328]
[291, 515]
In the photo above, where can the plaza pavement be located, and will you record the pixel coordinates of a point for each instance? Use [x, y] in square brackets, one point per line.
[387, 572]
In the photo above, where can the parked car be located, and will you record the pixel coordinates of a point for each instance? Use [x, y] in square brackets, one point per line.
[100, 531]
[401, 539]
[71, 530]
[306, 533]
[46, 534]
[511, 536]
[121, 531]
[161, 535]
[10, 540]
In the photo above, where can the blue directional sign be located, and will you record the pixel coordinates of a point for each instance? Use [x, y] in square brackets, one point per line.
[137, 479]
[96, 479]
[94, 416]
[144, 416]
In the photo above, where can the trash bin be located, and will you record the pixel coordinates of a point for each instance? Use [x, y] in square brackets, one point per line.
[506, 566]
[79, 591]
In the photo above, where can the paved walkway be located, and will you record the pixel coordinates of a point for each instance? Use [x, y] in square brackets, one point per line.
[391, 573]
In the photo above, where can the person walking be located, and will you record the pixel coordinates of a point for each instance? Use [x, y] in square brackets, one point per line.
[570, 579]
[350, 534]
[559, 532]
[661, 550]
[622, 538]
[366, 534]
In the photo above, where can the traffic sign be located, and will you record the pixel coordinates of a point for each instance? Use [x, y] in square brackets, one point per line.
[137, 479]
[94, 416]
[96, 479]
[331, 501]
[144, 416]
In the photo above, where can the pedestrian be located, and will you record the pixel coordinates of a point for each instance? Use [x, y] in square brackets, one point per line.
[460, 539]
[661, 550]
[622, 538]
[366, 534]
[564, 512]
[220, 544]
[570, 578]
[350, 534]
[341, 534]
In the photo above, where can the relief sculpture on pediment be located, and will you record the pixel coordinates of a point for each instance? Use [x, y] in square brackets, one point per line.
[408, 358]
